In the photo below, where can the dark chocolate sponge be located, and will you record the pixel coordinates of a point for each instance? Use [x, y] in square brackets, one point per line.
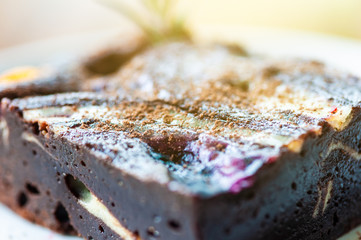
[78, 74]
[270, 151]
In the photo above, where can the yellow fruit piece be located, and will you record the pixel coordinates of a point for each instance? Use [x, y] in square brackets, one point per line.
[19, 74]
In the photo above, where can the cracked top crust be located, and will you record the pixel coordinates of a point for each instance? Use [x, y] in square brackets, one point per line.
[201, 119]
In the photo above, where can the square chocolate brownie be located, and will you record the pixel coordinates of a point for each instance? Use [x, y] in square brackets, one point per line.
[261, 150]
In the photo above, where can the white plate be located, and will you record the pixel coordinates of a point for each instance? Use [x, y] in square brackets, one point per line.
[342, 53]
[13, 227]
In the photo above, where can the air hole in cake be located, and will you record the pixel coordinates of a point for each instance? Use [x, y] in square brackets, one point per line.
[294, 186]
[34, 152]
[249, 195]
[90, 238]
[77, 188]
[239, 220]
[101, 229]
[20, 114]
[227, 231]
[80, 216]
[112, 204]
[151, 231]
[32, 189]
[309, 192]
[83, 163]
[255, 213]
[136, 233]
[335, 219]
[61, 215]
[174, 225]
[22, 199]
[54, 147]
[303, 152]
[35, 128]
[263, 224]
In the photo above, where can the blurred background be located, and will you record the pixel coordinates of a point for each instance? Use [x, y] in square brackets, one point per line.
[25, 21]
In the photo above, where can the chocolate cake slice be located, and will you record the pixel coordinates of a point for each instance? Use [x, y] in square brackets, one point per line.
[261, 150]
[73, 75]
[38, 80]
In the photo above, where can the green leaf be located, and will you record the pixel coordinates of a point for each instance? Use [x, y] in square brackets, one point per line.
[160, 21]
